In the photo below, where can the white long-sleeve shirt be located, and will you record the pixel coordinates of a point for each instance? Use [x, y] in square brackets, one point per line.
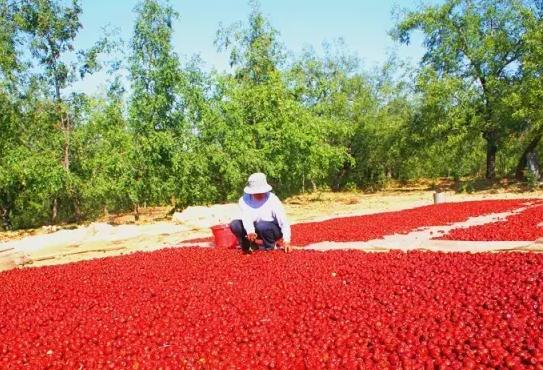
[268, 209]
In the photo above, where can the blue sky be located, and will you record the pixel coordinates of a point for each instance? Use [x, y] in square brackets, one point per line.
[363, 24]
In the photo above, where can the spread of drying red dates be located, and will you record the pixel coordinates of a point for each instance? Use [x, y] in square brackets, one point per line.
[209, 308]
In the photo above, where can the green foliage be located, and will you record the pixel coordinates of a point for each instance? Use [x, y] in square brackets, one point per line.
[443, 135]
[254, 49]
[52, 29]
[466, 187]
[533, 181]
[313, 122]
[261, 125]
[480, 42]
[30, 172]
[155, 113]
[102, 148]
[9, 61]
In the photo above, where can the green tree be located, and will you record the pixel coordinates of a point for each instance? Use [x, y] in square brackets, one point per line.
[479, 41]
[102, 153]
[45, 30]
[442, 136]
[254, 49]
[8, 119]
[9, 60]
[333, 89]
[52, 29]
[381, 145]
[30, 169]
[526, 99]
[156, 107]
[261, 125]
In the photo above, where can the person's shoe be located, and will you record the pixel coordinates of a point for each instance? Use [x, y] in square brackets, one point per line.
[252, 247]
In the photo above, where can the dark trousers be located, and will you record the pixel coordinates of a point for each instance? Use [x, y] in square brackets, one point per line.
[268, 231]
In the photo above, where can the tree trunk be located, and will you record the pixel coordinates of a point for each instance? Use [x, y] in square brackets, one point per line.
[65, 122]
[341, 174]
[64, 127]
[533, 164]
[344, 171]
[6, 221]
[491, 150]
[523, 161]
[314, 185]
[136, 212]
[54, 211]
[77, 210]
[64, 117]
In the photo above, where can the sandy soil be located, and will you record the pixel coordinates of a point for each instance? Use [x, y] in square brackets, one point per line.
[101, 240]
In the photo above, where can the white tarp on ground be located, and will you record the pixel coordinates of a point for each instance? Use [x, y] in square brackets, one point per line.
[423, 238]
[191, 218]
[95, 232]
[205, 217]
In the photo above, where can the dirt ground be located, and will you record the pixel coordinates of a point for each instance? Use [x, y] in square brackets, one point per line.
[155, 231]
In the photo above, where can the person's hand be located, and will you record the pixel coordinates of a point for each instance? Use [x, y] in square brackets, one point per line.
[251, 237]
[286, 246]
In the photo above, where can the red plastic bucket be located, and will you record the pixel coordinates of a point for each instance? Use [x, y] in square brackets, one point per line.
[224, 238]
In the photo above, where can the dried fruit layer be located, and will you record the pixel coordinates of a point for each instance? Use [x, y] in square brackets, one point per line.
[527, 225]
[213, 308]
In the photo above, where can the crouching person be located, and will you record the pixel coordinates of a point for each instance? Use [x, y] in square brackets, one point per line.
[262, 216]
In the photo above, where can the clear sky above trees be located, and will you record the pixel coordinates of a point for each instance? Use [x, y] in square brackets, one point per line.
[364, 25]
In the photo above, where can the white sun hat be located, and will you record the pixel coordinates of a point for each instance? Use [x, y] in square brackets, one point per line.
[257, 184]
